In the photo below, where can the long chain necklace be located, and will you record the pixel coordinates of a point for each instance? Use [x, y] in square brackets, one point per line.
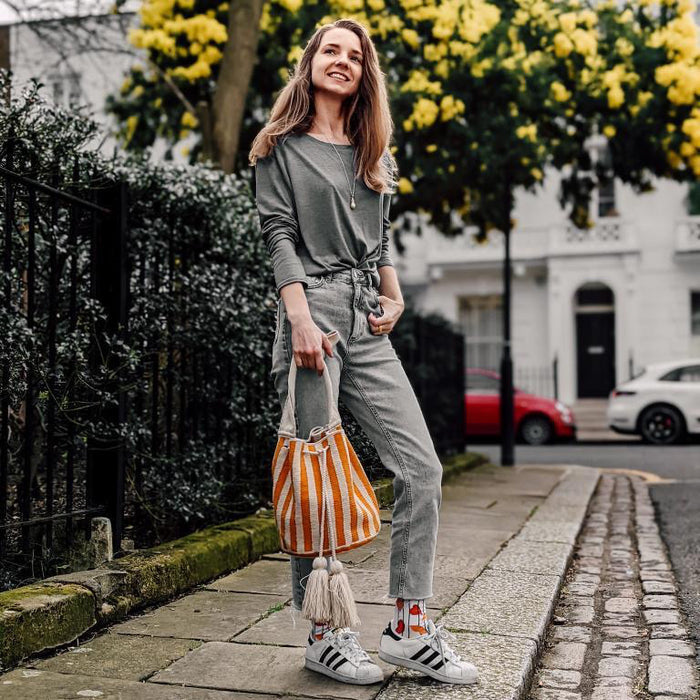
[354, 179]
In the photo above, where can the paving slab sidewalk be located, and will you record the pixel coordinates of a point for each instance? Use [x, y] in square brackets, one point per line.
[505, 540]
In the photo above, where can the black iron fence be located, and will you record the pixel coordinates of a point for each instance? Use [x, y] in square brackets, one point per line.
[123, 389]
[432, 353]
[55, 256]
[540, 380]
[202, 393]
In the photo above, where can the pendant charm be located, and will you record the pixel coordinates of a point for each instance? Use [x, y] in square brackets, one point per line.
[352, 203]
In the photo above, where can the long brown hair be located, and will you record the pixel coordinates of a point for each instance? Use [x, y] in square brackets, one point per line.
[366, 115]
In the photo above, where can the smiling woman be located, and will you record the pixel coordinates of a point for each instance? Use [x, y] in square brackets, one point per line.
[324, 177]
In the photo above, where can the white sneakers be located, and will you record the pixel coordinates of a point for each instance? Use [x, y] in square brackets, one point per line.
[428, 653]
[340, 656]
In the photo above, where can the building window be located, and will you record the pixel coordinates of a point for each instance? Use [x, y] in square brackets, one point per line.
[606, 190]
[693, 199]
[695, 313]
[66, 88]
[481, 320]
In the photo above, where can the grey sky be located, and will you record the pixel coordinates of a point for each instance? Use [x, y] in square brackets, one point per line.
[6, 14]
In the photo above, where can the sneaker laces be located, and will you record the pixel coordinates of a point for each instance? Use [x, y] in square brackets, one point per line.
[347, 642]
[443, 638]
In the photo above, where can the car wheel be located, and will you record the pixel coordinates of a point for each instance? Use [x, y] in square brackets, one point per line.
[536, 430]
[661, 425]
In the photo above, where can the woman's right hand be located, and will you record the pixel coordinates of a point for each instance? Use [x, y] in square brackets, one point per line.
[308, 345]
[308, 341]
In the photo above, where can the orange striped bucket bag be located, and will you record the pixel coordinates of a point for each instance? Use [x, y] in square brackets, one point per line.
[324, 504]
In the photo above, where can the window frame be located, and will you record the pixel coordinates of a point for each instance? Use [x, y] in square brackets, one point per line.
[695, 313]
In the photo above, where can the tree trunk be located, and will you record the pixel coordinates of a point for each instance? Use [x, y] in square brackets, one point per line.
[235, 74]
[204, 116]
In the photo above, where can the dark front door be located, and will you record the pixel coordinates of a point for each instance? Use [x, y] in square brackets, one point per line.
[595, 344]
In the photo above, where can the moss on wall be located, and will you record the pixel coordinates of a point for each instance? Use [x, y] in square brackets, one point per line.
[42, 616]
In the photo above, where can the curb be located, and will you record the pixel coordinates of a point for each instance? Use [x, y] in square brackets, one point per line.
[60, 609]
[41, 616]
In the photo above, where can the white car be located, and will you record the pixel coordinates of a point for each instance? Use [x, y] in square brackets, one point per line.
[661, 403]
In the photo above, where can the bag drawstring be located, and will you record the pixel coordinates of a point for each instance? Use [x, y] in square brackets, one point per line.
[329, 598]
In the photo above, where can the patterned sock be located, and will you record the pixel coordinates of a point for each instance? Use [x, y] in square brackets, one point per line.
[318, 629]
[410, 618]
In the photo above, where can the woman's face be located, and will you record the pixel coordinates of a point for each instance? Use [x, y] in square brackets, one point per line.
[340, 52]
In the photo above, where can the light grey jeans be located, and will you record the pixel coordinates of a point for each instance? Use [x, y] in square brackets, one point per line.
[369, 379]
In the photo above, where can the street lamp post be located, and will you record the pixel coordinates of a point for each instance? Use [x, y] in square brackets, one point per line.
[507, 418]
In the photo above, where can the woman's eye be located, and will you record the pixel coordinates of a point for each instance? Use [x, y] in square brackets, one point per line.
[357, 58]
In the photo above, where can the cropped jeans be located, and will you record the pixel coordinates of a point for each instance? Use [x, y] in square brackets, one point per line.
[368, 377]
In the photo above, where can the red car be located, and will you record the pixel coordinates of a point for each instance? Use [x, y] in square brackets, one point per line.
[537, 420]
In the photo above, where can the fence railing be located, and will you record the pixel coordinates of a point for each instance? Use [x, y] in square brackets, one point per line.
[432, 354]
[54, 257]
[198, 406]
[541, 380]
[108, 398]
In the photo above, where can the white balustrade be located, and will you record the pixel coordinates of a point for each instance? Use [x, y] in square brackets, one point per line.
[536, 244]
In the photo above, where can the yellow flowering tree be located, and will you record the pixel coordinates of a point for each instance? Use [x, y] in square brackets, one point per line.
[201, 57]
[183, 47]
[468, 87]
[636, 82]
[486, 94]
[489, 94]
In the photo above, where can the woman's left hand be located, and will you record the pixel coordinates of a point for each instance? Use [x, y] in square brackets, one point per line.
[384, 324]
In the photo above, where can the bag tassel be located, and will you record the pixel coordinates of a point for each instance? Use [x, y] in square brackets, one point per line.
[317, 599]
[343, 608]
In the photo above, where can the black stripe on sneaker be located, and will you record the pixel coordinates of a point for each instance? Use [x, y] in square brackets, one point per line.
[420, 653]
[438, 665]
[325, 653]
[339, 664]
[331, 659]
[391, 632]
[429, 659]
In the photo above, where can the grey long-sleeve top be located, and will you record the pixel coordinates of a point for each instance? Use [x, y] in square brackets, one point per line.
[307, 224]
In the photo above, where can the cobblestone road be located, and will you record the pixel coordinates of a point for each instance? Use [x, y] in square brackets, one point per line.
[617, 632]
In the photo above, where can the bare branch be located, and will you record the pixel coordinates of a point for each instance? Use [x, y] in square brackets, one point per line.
[75, 38]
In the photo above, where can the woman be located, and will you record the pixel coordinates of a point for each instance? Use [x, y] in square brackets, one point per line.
[324, 177]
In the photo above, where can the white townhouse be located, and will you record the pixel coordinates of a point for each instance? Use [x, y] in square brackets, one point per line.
[601, 303]
[79, 59]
